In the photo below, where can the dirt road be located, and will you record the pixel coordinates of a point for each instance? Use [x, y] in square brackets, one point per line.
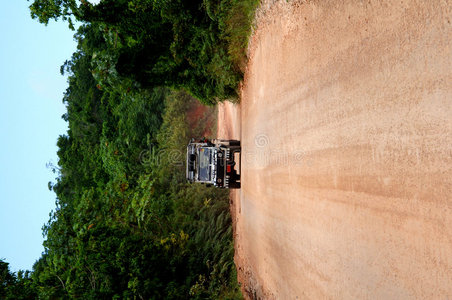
[346, 129]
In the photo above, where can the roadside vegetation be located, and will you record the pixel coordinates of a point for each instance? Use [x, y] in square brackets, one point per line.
[195, 45]
[126, 224]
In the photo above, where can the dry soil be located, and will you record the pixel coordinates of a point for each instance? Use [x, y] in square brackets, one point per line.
[346, 129]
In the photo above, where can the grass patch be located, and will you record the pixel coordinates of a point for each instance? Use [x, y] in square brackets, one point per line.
[237, 29]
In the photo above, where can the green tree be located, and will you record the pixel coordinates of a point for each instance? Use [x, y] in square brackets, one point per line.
[177, 44]
[126, 225]
[15, 286]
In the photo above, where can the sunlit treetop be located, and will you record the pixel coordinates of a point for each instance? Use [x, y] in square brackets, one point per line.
[67, 10]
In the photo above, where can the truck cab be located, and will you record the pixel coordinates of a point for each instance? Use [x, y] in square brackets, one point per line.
[213, 162]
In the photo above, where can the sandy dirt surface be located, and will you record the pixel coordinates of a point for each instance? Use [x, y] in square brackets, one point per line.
[346, 129]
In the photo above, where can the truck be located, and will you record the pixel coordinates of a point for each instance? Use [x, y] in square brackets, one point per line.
[213, 162]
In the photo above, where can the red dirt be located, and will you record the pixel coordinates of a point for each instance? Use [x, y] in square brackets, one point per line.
[346, 129]
[201, 119]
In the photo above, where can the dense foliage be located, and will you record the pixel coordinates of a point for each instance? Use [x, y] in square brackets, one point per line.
[15, 286]
[138, 230]
[196, 45]
[126, 224]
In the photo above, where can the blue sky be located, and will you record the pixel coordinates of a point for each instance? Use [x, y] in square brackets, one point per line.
[31, 89]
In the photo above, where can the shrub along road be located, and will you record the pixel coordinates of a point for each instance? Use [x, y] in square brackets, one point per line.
[346, 130]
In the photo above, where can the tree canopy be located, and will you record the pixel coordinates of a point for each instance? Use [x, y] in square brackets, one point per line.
[178, 44]
[126, 224]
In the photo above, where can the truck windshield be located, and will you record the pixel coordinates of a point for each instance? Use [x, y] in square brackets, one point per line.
[204, 164]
